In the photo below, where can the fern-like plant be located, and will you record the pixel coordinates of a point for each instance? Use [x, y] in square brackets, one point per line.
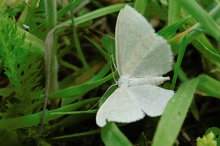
[22, 69]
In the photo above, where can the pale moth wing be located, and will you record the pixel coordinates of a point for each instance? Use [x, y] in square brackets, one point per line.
[125, 110]
[138, 48]
[142, 57]
[151, 99]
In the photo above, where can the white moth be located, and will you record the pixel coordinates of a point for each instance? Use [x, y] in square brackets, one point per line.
[142, 58]
[26, 26]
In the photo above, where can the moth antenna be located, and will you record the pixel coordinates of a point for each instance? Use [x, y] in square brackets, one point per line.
[112, 64]
[116, 82]
[102, 97]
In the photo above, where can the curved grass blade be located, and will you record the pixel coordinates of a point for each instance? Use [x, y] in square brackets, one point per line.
[174, 114]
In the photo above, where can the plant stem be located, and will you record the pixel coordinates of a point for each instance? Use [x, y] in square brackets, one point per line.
[51, 66]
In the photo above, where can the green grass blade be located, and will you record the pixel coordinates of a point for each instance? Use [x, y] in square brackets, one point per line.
[209, 86]
[34, 119]
[206, 50]
[37, 43]
[173, 11]
[83, 88]
[78, 47]
[112, 136]
[174, 114]
[179, 61]
[96, 14]
[201, 16]
[141, 6]
[181, 74]
[67, 8]
[97, 46]
[171, 29]
[65, 137]
[75, 112]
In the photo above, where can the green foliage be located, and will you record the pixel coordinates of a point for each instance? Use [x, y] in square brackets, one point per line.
[206, 140]
[22, 69]
[111, 135]
[84, 67]
[216, 132]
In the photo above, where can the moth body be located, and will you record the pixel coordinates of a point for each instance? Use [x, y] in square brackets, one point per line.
[126, 81]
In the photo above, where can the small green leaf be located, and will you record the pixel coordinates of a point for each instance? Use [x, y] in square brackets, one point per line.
[216, 132]
[206, 140]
